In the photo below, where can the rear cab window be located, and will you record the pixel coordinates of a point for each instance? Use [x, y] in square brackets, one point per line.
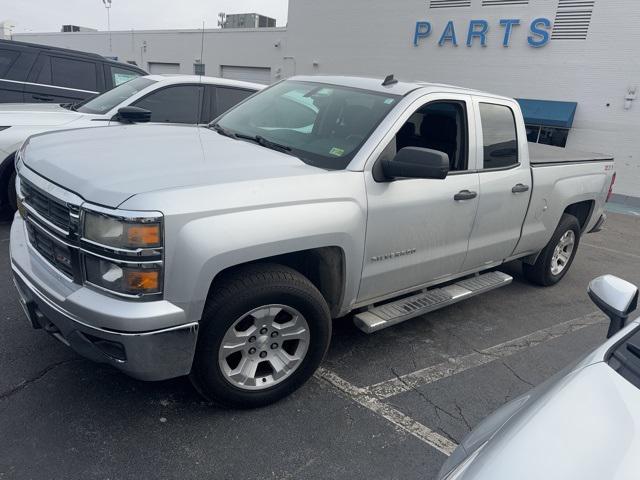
[499, 136]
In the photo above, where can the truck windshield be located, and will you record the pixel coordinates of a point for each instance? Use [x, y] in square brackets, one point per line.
[323, 125]
[114, 97]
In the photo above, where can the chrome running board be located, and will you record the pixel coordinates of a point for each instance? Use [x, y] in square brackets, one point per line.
[392, 313]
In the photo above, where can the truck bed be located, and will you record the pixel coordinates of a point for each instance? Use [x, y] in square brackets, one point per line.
[541, 155]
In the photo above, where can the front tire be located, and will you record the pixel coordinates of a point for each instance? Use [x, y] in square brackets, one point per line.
[8, 200]
[12, 199]
[554, 261]
[264, 332]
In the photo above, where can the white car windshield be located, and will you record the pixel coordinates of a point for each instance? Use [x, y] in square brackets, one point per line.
[323, 125]
[114, 97]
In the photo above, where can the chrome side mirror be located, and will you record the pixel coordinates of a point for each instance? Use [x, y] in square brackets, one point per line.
[617, 298]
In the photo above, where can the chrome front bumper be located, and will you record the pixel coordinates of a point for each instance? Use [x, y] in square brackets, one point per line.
[92, 323]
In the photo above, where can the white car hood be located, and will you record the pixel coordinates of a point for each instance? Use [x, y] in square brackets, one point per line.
[111, 164]
[585, 427]
[36, 114]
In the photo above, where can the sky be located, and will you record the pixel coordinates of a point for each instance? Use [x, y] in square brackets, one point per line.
[50, 15]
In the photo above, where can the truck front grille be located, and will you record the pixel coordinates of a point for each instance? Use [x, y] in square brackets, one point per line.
[49, 208]
[56, 253]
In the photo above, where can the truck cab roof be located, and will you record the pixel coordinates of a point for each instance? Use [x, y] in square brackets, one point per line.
[401, 88]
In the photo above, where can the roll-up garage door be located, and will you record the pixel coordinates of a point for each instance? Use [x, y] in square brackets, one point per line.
[158, 68]
[247, 74]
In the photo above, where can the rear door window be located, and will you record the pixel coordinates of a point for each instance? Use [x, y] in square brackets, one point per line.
[179, 104]
[72, 73]
[500, 139]
[7, 57]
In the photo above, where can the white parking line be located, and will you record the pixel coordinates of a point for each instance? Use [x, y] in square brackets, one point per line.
[611, 250]
[459, 364]
[386, 411]
[372, 397]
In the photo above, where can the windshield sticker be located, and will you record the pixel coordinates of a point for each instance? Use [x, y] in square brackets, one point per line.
[336, 152]
[389, 101]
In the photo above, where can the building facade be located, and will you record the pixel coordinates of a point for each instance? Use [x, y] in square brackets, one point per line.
[574, 63]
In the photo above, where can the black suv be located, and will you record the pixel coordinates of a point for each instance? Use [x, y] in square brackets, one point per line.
[31, 73]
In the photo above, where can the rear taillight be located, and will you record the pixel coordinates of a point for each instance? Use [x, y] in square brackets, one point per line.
[613, 180]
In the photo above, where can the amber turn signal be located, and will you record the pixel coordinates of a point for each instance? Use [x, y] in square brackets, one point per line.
[142, 281]
[143, 235]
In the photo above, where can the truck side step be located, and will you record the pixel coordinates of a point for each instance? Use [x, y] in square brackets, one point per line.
[392, 313]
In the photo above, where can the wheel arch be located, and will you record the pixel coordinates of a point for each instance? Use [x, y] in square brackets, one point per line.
[7, 168]
[582, 211]
[323, 266]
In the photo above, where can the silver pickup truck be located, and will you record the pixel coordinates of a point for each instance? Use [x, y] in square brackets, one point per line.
[223, 252]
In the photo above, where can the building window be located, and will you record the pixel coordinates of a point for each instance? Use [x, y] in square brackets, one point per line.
[198, 68]
[556, 137]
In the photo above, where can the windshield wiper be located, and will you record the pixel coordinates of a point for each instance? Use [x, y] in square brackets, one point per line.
[264, 142]
[221, 130]
[254, 138]
[70, 106]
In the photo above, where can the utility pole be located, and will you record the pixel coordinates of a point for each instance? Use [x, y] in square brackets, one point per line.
[107, 5]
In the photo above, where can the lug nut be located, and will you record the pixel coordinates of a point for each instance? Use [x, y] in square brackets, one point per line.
[274, 334]
[263, 354]
[263, 330]
[252, 339]
[274, 346]
[252, 351]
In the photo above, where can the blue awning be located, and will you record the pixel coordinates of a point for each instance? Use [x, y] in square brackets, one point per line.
[547, 112]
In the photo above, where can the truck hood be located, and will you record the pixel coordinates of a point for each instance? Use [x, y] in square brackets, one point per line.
[36, 114]
[108, 165]
[585, 427]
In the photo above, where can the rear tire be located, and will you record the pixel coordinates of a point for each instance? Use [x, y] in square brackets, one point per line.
[264, 332]
[556, 258]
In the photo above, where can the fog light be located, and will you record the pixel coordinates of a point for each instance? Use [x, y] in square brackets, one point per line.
[128, 279]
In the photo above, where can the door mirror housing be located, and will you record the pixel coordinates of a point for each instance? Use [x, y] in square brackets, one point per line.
[617, 298]
[133, 115]
[416, 162]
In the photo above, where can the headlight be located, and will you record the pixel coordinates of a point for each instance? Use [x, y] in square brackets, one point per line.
[123, 251]
[121, 233]
[3, 128]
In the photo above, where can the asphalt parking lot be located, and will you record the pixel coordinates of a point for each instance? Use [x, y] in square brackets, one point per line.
[388, 405]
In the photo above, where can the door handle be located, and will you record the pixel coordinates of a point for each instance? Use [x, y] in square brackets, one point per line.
[520, 188]
[465, 195]
[43, 99]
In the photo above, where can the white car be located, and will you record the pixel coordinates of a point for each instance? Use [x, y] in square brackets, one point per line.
[188, 99]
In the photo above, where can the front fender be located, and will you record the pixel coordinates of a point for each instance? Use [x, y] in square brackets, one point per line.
[203, 247]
